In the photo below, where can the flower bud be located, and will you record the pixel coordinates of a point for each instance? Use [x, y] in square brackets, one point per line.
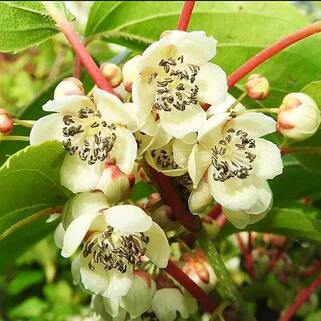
[112, 73]
[257, 87]
[6, 122]
[130, 72]
[299, 117]
[115, 184]
[69, 86]
[196, 266]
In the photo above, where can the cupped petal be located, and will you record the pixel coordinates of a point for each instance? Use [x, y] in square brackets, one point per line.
[213, 129]
[124, 150]
[150, 125]
[212, 84]
[181, 152]
[119, 283]
[111, 305]
[234, 193]
[195, 46]
[75, 270]
[79, 176]
[59, 235]
[264, 198]
[47, 128]
[200, 198]
[198, 162]
[111, 108]
[128, 218]
[268, 161]
[139, 297]
[157, 250]
[239, 219]
[179, 123]
[68, 104]
[76, 232]
[255, 124]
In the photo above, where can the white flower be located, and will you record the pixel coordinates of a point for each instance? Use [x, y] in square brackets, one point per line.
[236, 161]
[299, 117]
[137, 300]
[115, 240]
[174, 77]
[92, 132]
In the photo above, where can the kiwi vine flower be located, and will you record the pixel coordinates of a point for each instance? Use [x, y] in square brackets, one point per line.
[115, 240]
[174, 78]
[92, 132]
[236, 162]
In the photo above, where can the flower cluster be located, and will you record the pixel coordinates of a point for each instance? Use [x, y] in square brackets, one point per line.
[175, 114]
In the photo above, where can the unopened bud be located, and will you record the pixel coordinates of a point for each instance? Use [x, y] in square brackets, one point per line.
[69, 86]
[257, 87]
[299, 117]
[115, 184]
[112, 73]
[6, 122]
[196, 266]
[130, 72]
[200, 198]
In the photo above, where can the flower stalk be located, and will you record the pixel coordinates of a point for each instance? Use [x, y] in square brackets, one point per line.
[247, 254]
[24, 123]
[186, 15]
[300, 299]
[270, 51]
[17, 138]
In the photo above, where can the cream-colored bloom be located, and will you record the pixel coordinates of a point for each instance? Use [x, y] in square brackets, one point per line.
[299, 117]
[115, 240]
[174, 77]
[92, 132]
[237, 162]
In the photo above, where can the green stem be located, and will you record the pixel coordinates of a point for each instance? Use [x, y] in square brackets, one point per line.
[243, 95]
[227, 290]
[261, 110]
[29, 220]
[24, 123]
[19, 138]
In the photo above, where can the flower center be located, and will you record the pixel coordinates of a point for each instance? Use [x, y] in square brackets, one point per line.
[114, 250]
[149, 316]
[164, 158]
[232, 156]
[175, 84]
[88, 135]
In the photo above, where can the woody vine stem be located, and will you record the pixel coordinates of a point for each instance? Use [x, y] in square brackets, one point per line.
[186, 218]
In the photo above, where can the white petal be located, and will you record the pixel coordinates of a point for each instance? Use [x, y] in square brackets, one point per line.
[180, 123]
[128, 218]
[264, 198]
[96, 281]
[68, 104]
[268, 161]
[255, 124]
[235, 194]
[59, 235]
[124, 150]
[112, 305]
[111, 107]
[78, 176]
[212, 83]
[75, 270]
[239, 219]
[181, 152]
[75, 233]
[167, 302]
[47, 128]
[139, 297]
[150, 125]
[195, 46]
[198, 162]
[224, 106]
[213, 129]
[129, 70]
[200, 198]
[158, 248]
[119, 283]
[190, 138]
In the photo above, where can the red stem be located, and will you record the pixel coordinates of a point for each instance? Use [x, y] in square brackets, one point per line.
[247, 258]
[169, 196]
[208, 303]
[267, 53]
[79, 48]
[313, 268]
[277, 256]
[215, 211]
[302, 296]
[185, 16]
[77, 67]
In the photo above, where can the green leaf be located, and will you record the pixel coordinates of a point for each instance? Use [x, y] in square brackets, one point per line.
[30, 308]
[240, 28]
[313, 89]
[24, 24]
[31, 181]
[298, 222]
[24, 280]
